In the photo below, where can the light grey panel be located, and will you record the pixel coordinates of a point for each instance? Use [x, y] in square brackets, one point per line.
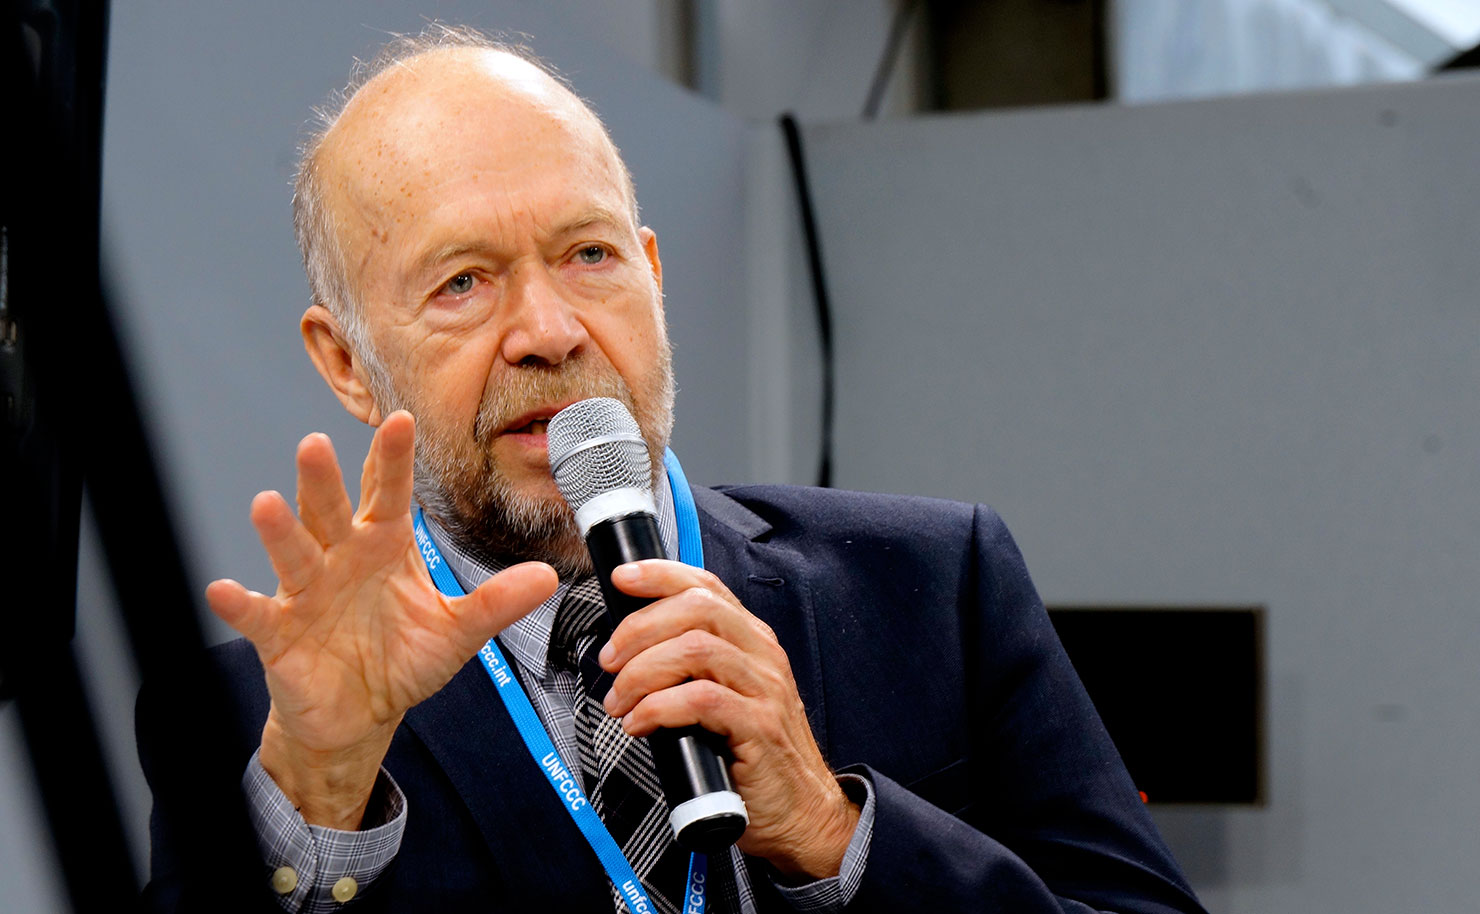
[1220, 352]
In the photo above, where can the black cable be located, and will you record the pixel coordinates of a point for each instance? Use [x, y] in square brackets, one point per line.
[819, 291]
[1464, 60]
[890, 57]
[897, 30]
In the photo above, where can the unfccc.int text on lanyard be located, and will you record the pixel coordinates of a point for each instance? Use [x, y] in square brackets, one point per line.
[566, 784]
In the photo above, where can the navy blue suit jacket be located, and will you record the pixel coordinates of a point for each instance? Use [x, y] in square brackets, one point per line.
[926, 662]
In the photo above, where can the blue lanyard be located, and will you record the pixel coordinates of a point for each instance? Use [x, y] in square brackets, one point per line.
[567, 784]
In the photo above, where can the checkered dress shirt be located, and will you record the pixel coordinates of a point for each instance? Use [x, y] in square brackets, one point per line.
[321, 858]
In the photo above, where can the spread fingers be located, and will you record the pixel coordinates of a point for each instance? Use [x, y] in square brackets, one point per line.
[244, 610]
[323, 504]
[296, 555]
[505, 598]
[385, 486]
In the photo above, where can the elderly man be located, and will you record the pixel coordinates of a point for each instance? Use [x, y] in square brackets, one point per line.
[471, 239]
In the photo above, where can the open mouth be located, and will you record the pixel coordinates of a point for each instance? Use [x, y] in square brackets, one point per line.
[536, 421]
[535, 427]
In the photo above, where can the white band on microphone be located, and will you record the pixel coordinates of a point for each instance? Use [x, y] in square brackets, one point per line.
[721, 802]
[616, 503]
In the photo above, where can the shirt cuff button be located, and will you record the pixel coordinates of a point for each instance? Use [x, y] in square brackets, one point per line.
[284, 880]
[344, 889]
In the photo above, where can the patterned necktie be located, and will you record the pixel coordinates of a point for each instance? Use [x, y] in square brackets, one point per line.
[616, 768]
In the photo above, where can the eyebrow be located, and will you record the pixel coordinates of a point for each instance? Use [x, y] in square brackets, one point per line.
[596, 215]
[447, 252]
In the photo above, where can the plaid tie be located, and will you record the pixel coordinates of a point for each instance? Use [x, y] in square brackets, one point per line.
[616, 768]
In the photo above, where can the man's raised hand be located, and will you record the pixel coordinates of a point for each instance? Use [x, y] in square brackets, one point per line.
[356, 633]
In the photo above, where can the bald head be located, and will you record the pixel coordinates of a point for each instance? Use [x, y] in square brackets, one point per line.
[400, 125]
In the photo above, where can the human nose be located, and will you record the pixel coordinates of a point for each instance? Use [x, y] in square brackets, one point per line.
[544, 327]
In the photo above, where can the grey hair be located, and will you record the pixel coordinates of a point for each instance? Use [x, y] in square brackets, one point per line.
[314, 223]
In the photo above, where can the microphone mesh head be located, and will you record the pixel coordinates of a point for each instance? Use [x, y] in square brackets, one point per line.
[595, 446]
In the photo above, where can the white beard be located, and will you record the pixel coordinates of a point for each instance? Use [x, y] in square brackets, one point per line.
[457, 479]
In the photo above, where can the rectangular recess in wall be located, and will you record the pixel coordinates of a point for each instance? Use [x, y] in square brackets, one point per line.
[1181, 690]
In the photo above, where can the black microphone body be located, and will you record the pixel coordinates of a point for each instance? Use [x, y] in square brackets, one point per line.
[690, 761]
[603, 468]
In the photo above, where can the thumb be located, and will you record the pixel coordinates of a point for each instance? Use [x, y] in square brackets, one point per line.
[504, 598]
[244, 610]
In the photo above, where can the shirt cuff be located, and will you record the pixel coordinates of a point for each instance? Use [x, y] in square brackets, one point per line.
[834, 893]
[313, 869]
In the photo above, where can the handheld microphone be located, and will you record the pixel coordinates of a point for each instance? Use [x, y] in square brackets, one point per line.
[601, 466]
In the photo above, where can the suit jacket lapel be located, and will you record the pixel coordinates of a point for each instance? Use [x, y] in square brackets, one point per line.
[540, 852]
[772, 582]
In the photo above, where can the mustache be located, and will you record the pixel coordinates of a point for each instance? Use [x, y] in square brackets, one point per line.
[533, 386]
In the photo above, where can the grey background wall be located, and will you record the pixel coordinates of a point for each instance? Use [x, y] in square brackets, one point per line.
[1218, 352]
[1224, 352]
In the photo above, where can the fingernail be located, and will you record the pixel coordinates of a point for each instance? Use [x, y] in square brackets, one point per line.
[607, 654]
[628, 573]
[610, 700]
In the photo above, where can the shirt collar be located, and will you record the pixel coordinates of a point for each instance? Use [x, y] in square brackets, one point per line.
[528, 638]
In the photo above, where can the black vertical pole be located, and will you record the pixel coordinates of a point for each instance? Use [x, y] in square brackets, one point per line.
[70, 415]
[48, 247]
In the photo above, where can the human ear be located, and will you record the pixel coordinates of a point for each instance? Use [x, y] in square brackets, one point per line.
[337, 363]
[649, 240]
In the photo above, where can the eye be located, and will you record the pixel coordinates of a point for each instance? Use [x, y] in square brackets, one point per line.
[460, 284]
[591, 255]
